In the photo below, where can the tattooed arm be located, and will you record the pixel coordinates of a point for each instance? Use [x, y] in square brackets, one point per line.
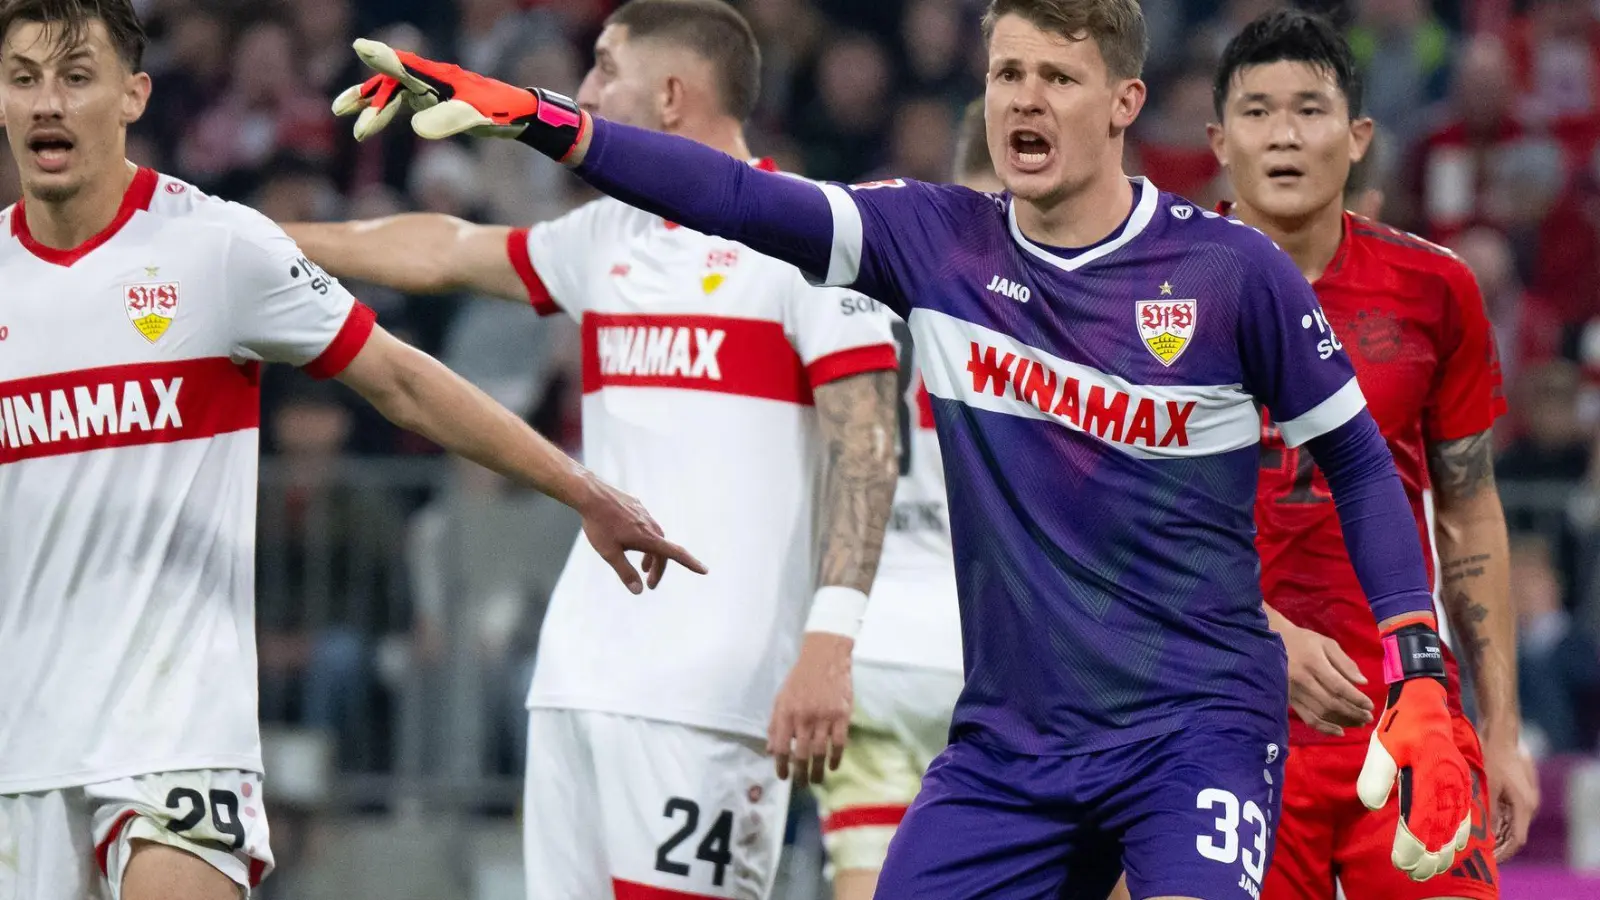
[857, 418]
[1470, 531]
[858, 421]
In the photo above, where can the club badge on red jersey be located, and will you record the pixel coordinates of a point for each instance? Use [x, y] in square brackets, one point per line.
[151, 306]
[1167, 326]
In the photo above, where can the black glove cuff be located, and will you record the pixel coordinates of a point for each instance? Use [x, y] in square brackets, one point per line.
[555, 127]
[1414, 651]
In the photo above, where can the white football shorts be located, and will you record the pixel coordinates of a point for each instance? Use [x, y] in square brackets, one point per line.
[74, 843]
[901, 722]
[642, 810]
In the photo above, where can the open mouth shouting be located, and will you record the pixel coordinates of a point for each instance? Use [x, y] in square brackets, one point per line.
[50, 148]
[1029, 150]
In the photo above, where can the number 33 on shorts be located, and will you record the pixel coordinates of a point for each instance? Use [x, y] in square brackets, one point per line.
[1241, 836]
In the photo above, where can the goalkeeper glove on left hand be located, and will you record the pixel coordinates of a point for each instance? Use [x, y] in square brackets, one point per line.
[449, 101]
[1414, 743]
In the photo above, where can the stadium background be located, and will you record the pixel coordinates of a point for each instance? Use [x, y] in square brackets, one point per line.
[401, 593]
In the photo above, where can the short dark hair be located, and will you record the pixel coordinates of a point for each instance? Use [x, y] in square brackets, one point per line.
[74, 17]
[711, 29]
[1117, 26]
[972, 144]
[1289, 35]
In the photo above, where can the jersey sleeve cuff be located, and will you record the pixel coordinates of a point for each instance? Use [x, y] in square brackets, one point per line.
[854, 361]
[844, 261]
[538, 294]
[346, 344]
[1338, 409]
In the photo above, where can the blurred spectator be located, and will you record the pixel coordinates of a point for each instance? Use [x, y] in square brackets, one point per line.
[1558, 666]
[493, 34]
[1212, 37]
[323, 28]
[188, 72]
[1550, 442]
[267, 111]
[1527, 329]
[923, 139]
[1170, 143]
[1403, 51]
[933, 35]
[295, 190]
[1555, 55]
[329, 579]
[843, 128]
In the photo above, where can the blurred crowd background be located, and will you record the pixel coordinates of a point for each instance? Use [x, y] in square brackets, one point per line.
[401, 593]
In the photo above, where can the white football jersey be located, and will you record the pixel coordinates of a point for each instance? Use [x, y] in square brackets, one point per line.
[913, 618]
[129, 372]
[699, 360]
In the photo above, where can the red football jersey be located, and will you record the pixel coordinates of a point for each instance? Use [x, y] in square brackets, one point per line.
[1409, 314]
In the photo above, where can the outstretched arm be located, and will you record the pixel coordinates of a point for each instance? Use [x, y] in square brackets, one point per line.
[418, 393]
[418, 253]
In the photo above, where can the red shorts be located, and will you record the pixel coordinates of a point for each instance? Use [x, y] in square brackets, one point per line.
[1325, 833]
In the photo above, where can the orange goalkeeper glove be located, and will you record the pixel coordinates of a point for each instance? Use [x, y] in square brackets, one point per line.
[1414, 743]
[448, 100]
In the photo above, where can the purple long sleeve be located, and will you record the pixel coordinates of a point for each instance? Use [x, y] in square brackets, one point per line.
[711, 192]
[1379, 528]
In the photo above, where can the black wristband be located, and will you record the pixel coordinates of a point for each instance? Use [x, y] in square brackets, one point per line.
[553, 129]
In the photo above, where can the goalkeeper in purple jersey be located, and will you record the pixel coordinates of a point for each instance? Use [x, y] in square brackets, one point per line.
[1095, 352]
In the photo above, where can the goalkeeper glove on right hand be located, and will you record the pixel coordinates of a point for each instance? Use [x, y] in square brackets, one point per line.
[1414, 744]
[449, 101]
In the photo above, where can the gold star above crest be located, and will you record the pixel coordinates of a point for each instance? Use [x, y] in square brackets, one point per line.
[150, 271]
[1166, 289]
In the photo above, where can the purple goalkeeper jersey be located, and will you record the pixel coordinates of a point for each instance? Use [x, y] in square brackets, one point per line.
[1097, 413]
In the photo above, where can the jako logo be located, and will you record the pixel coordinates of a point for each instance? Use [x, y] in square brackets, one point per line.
[1011, 289]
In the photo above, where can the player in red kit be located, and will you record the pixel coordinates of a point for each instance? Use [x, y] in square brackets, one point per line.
[1410, 316]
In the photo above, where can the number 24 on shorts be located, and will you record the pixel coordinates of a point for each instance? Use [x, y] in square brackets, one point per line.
[1225, 804]
[715, 847]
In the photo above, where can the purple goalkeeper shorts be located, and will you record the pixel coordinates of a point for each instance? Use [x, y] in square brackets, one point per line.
[1186, 814]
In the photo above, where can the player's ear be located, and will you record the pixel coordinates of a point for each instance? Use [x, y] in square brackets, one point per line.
[1361, 130]
[670, 103]
[1219, 143]
[135, 97]
[1126, 102]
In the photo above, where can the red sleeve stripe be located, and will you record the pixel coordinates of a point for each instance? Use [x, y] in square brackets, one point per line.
[883, 816]
[538, 294]
[854, 361]
[633, 890]
[346, 344]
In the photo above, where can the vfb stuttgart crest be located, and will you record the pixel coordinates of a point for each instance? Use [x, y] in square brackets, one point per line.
[1166, 326]
[151, 307]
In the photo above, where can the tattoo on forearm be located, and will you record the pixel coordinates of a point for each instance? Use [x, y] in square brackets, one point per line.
[857, 416]
[1468, 619]
[1461, 468]
[1457, 570]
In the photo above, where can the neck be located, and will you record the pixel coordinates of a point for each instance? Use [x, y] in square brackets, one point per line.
[721, 133]
[1311, 241]
[70, 222]
[1081, 219]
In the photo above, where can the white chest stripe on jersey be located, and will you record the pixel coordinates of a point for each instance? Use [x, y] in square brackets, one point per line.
[986, 369]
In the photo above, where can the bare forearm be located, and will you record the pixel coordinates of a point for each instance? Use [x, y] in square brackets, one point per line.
[438, 404]
[1277, 621]
[1470, 531]
[418, 253]
[857, 421]
[1475, 589]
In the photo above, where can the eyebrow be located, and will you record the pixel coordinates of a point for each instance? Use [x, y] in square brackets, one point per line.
[81, 53]
[1263, 97]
